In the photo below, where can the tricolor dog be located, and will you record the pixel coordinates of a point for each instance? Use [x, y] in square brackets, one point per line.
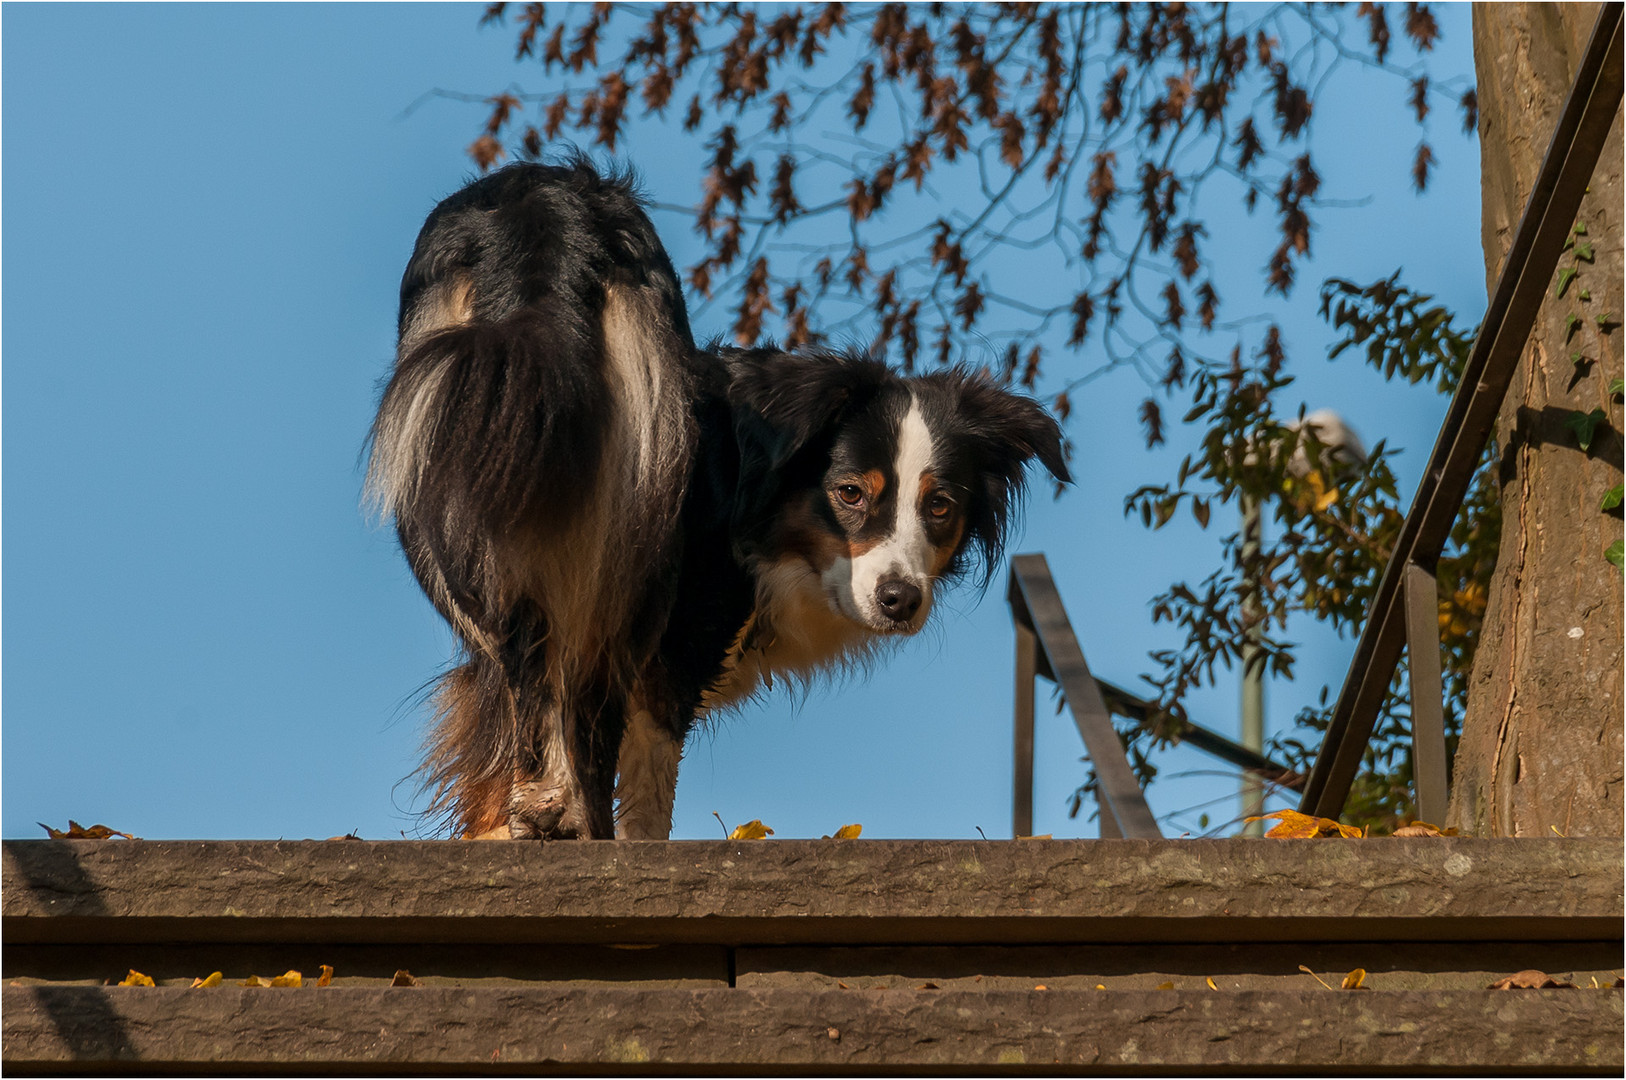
[627, 531]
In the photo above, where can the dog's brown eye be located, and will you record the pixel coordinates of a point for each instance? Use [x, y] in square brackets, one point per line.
[939, 506]
[851, 494]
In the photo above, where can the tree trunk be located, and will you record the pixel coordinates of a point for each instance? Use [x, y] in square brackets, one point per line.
[1542, 741]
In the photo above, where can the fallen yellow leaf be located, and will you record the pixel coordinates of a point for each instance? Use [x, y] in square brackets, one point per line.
[255, 981]
[212, 979]
[846, 832]
[1165, 986]
[1296, 826]
[288, 978]
[498, 832]
[327, 975]
[404, 978]
[751, 830]
[1209, 979]
[1353, 980]
[135, 978]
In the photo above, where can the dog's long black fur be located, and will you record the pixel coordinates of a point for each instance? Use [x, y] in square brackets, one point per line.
[603, 512]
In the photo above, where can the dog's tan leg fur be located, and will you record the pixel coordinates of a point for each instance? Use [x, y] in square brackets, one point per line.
[646, 780]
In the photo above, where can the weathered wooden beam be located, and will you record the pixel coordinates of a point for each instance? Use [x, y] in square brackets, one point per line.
[427, 1030]
[784, 891]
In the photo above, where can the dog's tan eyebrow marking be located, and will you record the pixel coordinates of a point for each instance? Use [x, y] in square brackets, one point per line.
[928, 484]
[874, 482]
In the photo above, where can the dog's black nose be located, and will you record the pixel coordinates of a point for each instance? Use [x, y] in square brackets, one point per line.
[898, 599]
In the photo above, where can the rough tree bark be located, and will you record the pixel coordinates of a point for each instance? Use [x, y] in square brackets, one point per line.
[1542, 741]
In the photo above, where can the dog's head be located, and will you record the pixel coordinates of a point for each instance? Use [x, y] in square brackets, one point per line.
[876, 485]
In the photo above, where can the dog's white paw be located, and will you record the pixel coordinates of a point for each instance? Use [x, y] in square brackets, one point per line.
[543, 810]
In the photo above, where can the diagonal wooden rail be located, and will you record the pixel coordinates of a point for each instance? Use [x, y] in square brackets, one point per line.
[1046, 646]
[1405, 605]
[1042, 628]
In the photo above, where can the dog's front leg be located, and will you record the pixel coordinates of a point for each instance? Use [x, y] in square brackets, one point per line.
[549, 806]
[547, 801]
[646, 778]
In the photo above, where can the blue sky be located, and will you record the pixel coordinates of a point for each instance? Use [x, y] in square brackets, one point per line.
[206, 209]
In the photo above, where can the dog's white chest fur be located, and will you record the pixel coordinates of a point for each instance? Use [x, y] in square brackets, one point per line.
[794, 633]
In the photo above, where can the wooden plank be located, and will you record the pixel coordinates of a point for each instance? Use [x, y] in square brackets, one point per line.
[1408, 965]
[429, 1030]
[782, 891]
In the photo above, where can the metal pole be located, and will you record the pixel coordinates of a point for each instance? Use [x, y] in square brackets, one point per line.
[1427, 707]
[1022, 773]
[1253, 678]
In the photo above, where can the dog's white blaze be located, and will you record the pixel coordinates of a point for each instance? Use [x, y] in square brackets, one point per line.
[646, 780]
[907, 554]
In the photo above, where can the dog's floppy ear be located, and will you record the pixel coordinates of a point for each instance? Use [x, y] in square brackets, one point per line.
[1006, 431]
[782, 400]
[1012, 426]
[783, 403]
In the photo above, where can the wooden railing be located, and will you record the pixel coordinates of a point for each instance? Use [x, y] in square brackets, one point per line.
[1046, 646]
[1405, 609]
[1404, 612]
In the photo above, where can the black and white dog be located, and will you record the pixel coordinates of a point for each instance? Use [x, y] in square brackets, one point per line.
[626, 531]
